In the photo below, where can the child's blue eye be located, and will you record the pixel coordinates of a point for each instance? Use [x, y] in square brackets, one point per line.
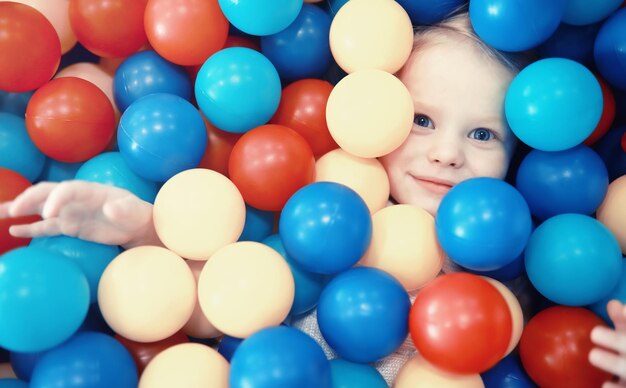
[482, 134]
[423, 121]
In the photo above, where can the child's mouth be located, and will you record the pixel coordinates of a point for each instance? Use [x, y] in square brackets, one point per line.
[434, 185]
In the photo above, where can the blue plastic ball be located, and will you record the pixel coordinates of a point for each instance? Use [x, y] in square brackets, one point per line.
[610, 50]
[23, 364]
[570, 181]
[508, 373]
[511, 271]
[109, 168]
[92, 258]
[571, 42]
[238, 89]
[325, 227]
[17, 150]
[88, 359]
[333, 6]
[302, 50]
[146, 72]
[308, 285]
[515, 25]
[257, 17]
[44, 298]
[424, 12]
[573, 260]
[346, 374]
[279, 357]
[259, 224]
[583, 12]
[14, 103]
[13, 383]
[160, 135]
[228, 345]
[363, 314]
[612, 153]
[55, 171]
[483, 224]
[554, 104]
[618, 292]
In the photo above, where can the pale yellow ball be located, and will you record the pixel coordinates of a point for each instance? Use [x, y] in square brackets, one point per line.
[612, 211]
[517, 315]
[244, 287]
[147, 294]
[197, 212]
[418, 373]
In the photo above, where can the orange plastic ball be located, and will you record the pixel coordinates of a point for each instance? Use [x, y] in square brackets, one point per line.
[11, 185]
[219, 146]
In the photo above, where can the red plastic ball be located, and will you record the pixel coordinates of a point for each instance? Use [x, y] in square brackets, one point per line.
[144, 352]
[303, 109]
[608, 113]
[219, 146]
[270, 163]
[185, 32]
[555, 345]
[461, 323]
[11, 185]
[112, 28]
[30, 49]
[70, 119]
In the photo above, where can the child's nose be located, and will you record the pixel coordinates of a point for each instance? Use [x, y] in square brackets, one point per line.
[446, 153]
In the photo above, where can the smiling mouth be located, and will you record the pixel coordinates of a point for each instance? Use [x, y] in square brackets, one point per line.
[434, 185]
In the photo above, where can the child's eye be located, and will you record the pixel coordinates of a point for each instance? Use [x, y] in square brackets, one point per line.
[423, 121]
[482, 134]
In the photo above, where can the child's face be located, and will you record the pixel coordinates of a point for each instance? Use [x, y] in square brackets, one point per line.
[459, 131]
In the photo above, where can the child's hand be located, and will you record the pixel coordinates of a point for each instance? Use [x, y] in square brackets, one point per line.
[614, 340]
[87, 210]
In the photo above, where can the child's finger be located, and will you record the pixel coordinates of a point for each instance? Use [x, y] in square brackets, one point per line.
[128, 209]
[617, 313]
[31, 200]
[4, 209]
[64, 193]
[609, 384]
[49, 227]
[609, 339]
[608, 362]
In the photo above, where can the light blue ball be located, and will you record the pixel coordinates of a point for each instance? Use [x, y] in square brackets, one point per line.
[583, 12]
[238, 89]
[483, 224]
[553, 104]
[346, 374]
[44, 299]
[109, 168]
[610, 50]
[55, 171]
[13, 383]
[258, 225]
[573, 260]
[618, 292]
[259, 17]
[515, 25]
[279, 357]
[17, 150]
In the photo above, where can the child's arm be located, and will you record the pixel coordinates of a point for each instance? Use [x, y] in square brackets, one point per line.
[87, 210]
[614, 340]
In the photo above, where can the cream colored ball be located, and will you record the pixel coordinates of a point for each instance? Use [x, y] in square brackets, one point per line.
[418, 373]
[612, 211]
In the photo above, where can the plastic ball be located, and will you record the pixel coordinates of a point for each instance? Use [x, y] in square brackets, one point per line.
[613, 153]
[70, 119]
[608, 114]
[294, 358]
[553, 104]
[517, 315]
[515, 25]
[23, 364]
[366, 176]
[405, 245]
[238, 89]
[483, 223]
[244, 287]
[609, 49]
[302, 49]
[256, 17]
[109, 168]
[346, 374]
[555, 346]
[308, 285]
[198, 326]
[461, 323]
[508, 373]
[612, 211]
[15, 103]
[185, 32]
[12, 383]
[570, 181]
[31, 50]
[571, 42]
[11, 185]
[325, 227]
[147, 293]
[46, 299]
[228, 345]
[511, 271]
[55, 171]
[259, 225]
[144, 352]
[270, 163]
[424, 12]
[87, 358]
[559, 271]
[618, 292]
[355, 45]
[92, 258]
[17, 151]
[146, 72]
[362, 314]
[219, 146]
[303, 108]
[581, 12]
[160, 135]
[369, 113]
[419, 373]
[213, 215]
